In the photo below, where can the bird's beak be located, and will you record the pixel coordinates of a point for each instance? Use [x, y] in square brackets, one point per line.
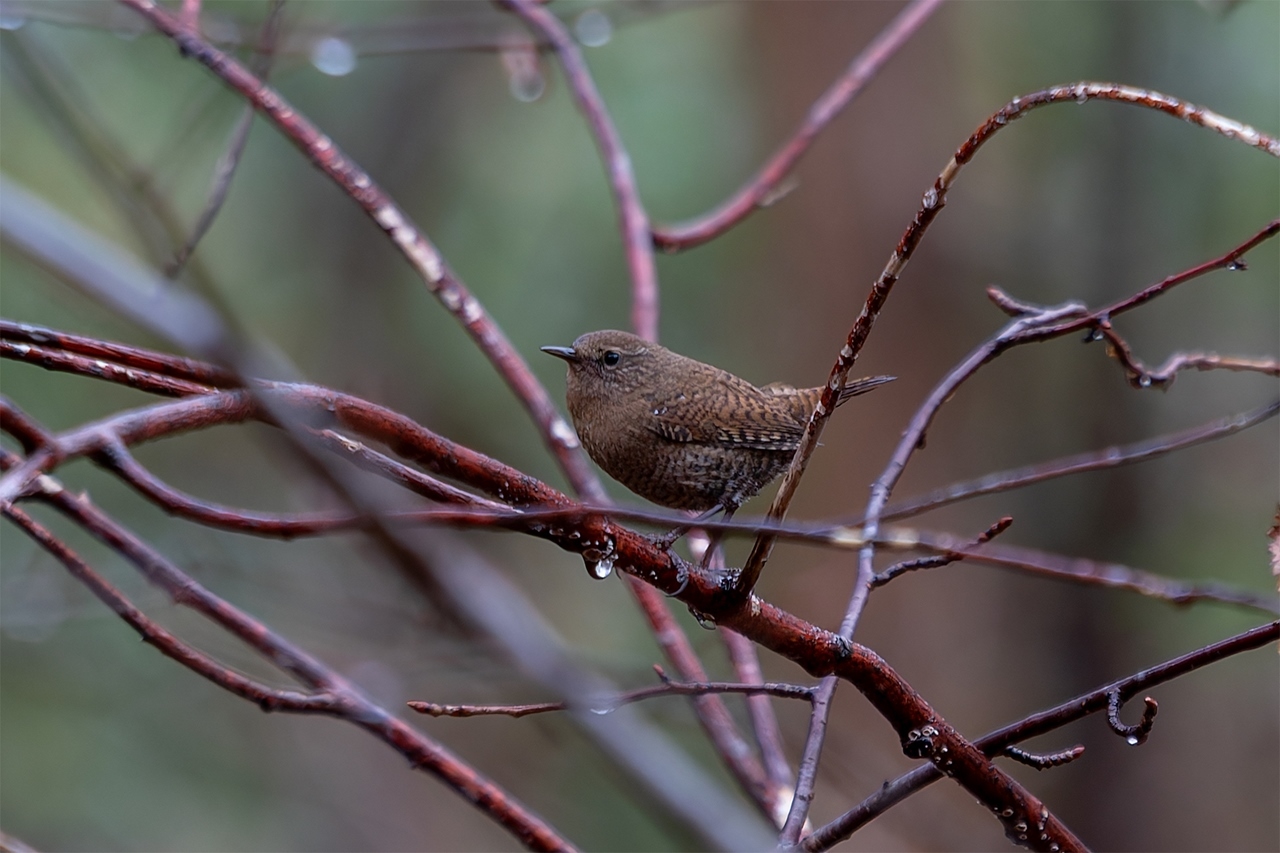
[569, 354]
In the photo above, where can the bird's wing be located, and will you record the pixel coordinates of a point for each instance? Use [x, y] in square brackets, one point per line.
[730, 416]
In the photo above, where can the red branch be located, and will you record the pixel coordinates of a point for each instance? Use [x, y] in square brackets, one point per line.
[1041, 723]
[334, 695]
[417, 249]
[453, 294]
[633, 221]
[924, 733]
[763, 188]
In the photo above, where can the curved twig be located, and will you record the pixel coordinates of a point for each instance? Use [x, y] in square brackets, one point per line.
[633, 221]
[1136, 734]
[763, 187]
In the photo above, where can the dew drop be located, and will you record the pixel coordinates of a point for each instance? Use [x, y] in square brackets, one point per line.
[593, 28]
[703, 620]
[1132, 740]
[524, 74]
[602, 569]
[1144, 381]
[930, 199]
[333, 56]
[1237, 265]
[528, 87]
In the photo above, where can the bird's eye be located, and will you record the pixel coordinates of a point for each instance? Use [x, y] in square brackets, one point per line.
[611, 358]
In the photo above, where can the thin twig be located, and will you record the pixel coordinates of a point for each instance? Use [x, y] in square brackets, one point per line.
[633, 221]
[225, 170]
[1043, 761]
[934, 199]
[422, 255]
[1136, 734]
[763, 188]
[764, 722]
[1141, 376]
[939, 560]
[1093, 460]
[610, 703]
[336, 696]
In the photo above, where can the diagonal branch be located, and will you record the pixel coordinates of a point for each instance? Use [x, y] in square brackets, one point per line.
[1093, 702]
[935, 198]
[1030, 324]
[422, 255]
[1093, 460]
[457, 299]
[763, 187]
[335, 696]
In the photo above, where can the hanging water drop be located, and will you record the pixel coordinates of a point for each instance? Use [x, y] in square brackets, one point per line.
[524, 77]
[600, 570]
[703, 620]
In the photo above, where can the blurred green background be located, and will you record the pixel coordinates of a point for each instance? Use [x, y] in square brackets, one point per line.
[104, 744]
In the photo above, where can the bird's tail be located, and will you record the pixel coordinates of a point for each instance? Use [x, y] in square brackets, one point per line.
[854, 387]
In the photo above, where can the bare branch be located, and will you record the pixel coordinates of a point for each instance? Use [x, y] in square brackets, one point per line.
[939, 560]
[1093, 460]
[633, 221]
[1135, 734]
[667, 688]
[763, 188]
[413, 244]
[1043, 722]
[239, 138]
[336, 696]
[1043, 761]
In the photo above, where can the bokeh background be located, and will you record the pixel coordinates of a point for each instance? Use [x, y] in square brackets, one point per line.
[107, 745]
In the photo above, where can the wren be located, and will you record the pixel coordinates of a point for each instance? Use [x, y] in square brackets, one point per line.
[683, 434]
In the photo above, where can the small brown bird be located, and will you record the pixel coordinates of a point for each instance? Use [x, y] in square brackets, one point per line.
[681, 433]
